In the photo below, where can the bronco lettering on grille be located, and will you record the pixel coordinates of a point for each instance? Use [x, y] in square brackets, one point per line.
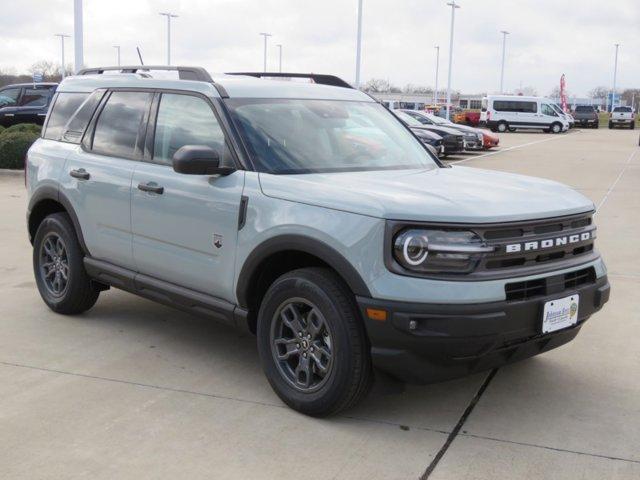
[547, 243]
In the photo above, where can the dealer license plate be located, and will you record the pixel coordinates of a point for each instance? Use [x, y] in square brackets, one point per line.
[560, 313]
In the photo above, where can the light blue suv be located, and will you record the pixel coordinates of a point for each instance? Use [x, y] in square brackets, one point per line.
[302, 210]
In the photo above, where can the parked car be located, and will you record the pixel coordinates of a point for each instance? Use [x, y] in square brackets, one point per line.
[622, 116]
[307, 214]
[586, 116]
[452, 140]
[473, 137]
[25, 103]
[504, 113]
[489, 139]
[432, 139]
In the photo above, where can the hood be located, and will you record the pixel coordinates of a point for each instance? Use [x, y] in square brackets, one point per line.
[421, 132]
[462, 128]
[457, 194]
[440, 130]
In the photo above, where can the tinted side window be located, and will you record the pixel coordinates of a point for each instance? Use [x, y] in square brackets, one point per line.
[185, 120]
[34, 97]
[9, 96]
[65, 106]
[119, 125]
[78, 122]
[515, 106]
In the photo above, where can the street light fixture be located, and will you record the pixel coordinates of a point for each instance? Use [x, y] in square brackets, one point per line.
[266, 36]
[169, 16]
[77, 35]
[117, 47]
[359, 44]
[279, 57]
[62, 37]
[435, 92]
[504, 43]
[615, 73]
[453, 6]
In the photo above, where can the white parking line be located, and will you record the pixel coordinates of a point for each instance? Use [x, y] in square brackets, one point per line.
[615, 182]
[496, 152]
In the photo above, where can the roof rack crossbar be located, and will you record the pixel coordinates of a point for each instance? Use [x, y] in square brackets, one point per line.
[184, 73]
[320, 78]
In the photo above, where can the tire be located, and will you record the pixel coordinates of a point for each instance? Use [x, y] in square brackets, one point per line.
[341, 337]
[610, 125]
[57, 235]
[556, 128]
[632, 125]
[502, 127]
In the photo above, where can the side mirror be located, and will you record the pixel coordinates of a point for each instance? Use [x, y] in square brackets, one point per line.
[199, 160]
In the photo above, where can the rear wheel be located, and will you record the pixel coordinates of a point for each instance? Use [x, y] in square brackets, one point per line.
[502, 127]
[312, 344]
[610, 125]
[58, 266]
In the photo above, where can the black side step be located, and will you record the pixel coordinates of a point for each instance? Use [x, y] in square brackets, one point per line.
[182, 298]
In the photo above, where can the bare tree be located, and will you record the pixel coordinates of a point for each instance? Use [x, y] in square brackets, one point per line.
[527, 91]
[598, 92]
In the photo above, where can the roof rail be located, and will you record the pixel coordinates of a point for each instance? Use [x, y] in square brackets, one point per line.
[184, 73]
[316, 77]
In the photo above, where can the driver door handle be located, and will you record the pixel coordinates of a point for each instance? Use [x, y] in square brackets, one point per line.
[151, 187]
[80, 173]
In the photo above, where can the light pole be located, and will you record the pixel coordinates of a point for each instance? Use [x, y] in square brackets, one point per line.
[77, 35]
[117, 47]
[62, 37]
[453, 6]
[435, 92]
[169, 16]
[504, 47]
[359, 44]
[279, 57]
[615, 73]
[264, 58]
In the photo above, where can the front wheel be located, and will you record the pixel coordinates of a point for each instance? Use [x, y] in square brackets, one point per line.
[556, 128]
[312, 343]
[59, 269]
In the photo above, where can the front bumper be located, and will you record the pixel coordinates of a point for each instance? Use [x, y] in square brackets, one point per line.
[426, 343]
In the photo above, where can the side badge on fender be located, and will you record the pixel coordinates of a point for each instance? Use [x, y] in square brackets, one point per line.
[217, 240]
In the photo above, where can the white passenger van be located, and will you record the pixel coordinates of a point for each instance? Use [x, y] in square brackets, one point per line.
[510, 112]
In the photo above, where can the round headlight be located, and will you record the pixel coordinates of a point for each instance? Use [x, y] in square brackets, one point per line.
[415, 249]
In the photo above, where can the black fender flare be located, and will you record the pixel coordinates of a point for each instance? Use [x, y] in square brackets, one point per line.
[300, 243]
[49, 192]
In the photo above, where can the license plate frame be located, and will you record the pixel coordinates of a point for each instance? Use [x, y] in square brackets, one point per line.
[560, 313]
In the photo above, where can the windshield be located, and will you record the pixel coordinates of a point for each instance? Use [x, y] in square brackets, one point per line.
[408, 119]
[312, 136]
[437, 120]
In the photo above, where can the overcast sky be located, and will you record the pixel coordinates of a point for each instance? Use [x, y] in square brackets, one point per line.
[548, 38]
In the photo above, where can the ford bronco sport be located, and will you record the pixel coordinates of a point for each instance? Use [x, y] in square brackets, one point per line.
[308, 214]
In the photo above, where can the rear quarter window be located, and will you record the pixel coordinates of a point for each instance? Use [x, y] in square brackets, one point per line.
[65, 105]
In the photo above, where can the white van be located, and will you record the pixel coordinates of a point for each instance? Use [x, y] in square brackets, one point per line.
[510, 112]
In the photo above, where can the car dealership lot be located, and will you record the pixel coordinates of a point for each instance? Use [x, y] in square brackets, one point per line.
[133, 389]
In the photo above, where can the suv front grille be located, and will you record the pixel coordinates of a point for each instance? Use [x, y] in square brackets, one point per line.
[526, 240]
[556, 284]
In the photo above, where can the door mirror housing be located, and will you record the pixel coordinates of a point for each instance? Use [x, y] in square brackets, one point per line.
[199, 160]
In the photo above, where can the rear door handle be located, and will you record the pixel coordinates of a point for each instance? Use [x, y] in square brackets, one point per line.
[80, 173]
[151, 187]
